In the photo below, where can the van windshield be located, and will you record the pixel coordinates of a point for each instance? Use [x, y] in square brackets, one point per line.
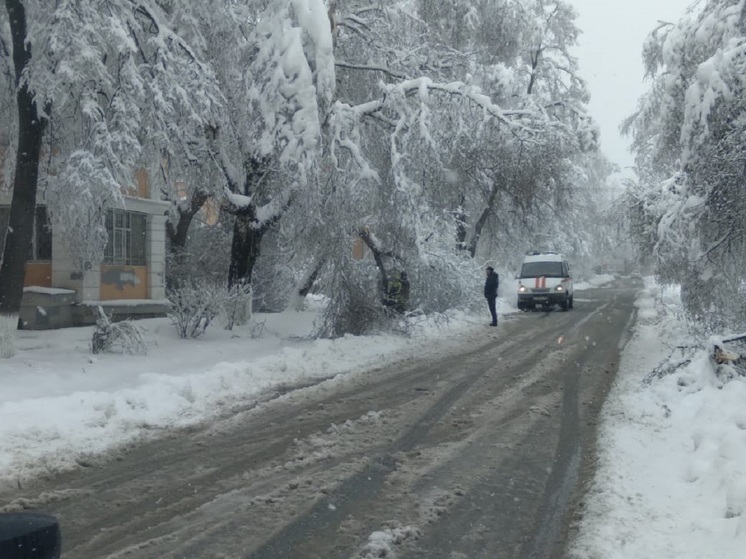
[536, 269]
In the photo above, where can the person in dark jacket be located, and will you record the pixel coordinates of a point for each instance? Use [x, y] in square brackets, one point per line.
[490, 292]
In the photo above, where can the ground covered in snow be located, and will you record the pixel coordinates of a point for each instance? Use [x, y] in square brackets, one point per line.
[671, 482]
[671, 479]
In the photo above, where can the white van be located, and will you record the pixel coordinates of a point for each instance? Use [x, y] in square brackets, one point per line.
[545, 280]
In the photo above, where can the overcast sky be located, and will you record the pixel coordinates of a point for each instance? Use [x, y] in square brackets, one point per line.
[610, 57]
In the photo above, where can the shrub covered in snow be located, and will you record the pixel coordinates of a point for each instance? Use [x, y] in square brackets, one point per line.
[125, 337]
[194, 306]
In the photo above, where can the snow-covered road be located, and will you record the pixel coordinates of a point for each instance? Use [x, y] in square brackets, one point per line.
[475, 452]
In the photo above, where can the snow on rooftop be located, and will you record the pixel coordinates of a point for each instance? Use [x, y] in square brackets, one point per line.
[48, 290]
[544, 257]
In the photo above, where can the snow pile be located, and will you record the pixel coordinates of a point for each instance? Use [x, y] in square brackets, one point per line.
[60, 405]
[672, 472]
[382, 544]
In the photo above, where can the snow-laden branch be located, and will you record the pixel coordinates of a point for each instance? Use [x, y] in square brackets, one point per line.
[239, 202]
[261, 217]
[423, 84]
[369, 68]
[715, 82]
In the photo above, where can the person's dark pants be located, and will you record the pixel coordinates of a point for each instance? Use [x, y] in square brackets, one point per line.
[493, 310]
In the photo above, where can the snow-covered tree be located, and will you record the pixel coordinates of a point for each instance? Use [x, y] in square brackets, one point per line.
[279, 84]
[31, 127]
[114, 87]
[437, 134]
[690, 135]
[430, 144]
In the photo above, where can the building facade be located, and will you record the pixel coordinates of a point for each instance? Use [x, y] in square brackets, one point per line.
[129, 282]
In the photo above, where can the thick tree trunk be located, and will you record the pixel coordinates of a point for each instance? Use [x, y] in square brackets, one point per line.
[304, 285]
[247, 231]
[23, 206]
[378, 257]
[479, 225]
[245, 250]
[178, 235]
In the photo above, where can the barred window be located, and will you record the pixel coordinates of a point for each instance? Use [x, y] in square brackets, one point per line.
[127, 241]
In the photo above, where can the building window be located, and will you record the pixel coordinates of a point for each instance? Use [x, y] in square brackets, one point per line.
[127, 240]
[41, 241]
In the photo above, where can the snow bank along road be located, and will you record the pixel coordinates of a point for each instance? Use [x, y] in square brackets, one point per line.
[475, 453]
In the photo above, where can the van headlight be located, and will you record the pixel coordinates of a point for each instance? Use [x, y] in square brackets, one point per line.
[559, 288]
[522, 289]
